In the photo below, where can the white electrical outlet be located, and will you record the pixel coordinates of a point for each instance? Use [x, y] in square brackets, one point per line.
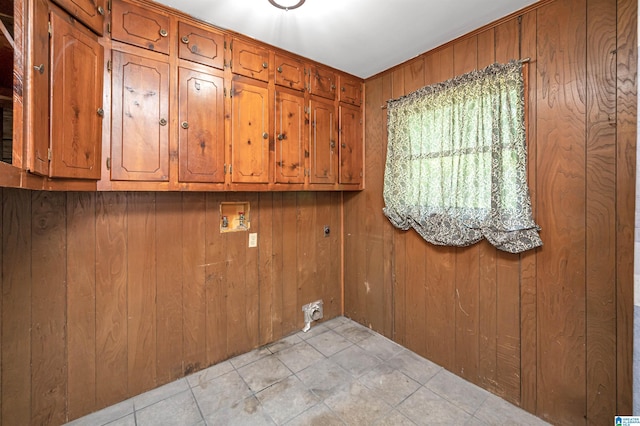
[253, 239]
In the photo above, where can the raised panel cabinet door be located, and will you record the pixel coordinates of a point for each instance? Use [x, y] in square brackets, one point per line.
[249, 60]
[322, 142]
[76, 99]
[201, 126]
[322, 82]
[140, 26]
[249, 133]
[350, 91]
[200, 45]
[350, 150]
[140, 122]
[89, 12]
[289, 72]
[289, 138]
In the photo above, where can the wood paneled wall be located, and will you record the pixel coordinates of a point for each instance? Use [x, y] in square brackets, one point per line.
[106, 295]
[550, 329]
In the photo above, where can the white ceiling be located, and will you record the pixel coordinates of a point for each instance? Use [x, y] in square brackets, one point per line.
[361, 37]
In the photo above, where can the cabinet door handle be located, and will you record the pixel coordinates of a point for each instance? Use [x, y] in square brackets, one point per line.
[281, 137]
[265, 135]
[333, 144]
[265, 65]
[279, 70]
[100, 112]
[163, 32]
[344, 145]
[185, 125]
[101, 10]
[185, 39]
[163, 122]
[39, 68]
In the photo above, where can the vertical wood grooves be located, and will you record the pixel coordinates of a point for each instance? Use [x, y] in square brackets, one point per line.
[626, 129]
[550, 329]
[107, 295]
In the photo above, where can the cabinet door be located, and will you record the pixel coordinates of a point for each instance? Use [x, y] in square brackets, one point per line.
[200, 45]
[250, 60]
[289, 72]
[249, 133]
[350, 133]
[322, 142]
[201, 132]
[140, 26]
[322, 82]
[289, 138]
[76, 99]
[350, 90]
[89, 12]
[140, 126]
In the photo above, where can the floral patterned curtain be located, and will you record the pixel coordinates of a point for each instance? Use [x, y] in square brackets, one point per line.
[456, 161]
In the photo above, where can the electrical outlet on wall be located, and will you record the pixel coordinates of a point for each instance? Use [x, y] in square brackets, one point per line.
[253, 239]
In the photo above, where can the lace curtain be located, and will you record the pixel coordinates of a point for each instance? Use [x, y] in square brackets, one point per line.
[456, 161]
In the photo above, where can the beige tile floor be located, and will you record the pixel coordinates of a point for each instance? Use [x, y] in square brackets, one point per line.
[338, 373]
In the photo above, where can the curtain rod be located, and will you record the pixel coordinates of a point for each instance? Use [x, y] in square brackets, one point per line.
[523, 60]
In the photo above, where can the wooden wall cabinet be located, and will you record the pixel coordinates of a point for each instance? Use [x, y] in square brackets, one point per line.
[249, 59]
[66, 138]
[89, 12]
[249, 132]
[322, 142]
[290, 72]
[322, 82]
[201, 124]
[140, 26]
[290, 138]
[350, 149]
[140, 117]
[350, 91]
[199, 45]
[187, 106]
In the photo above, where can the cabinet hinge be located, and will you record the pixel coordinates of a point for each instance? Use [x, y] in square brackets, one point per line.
[225, 169]
[225, 45]
[109, 27]
[50, 29]
[231, 93]
[49, 154]
[230, 45]
[230, 169]
[231, 63]
[109, 5]
[109, 65]
[307, 172]
[108, 163]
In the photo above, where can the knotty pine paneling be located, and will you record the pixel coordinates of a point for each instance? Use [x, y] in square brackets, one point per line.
[550, 329]
[106, 295]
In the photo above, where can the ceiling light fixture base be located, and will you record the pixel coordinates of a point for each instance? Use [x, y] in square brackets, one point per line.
[284, 6]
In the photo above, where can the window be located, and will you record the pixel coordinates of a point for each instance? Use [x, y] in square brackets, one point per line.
[456, 161]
